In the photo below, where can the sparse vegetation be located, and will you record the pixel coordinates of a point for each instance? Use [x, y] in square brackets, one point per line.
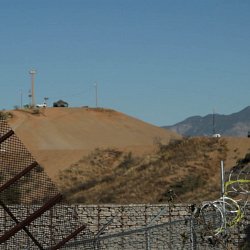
[30, 110]
[35, 111]
[4, 115]
[245, 160]
[113, 176]
[101, 109]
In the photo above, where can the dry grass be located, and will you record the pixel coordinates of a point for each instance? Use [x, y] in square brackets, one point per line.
[5, 115]
[126, 168]
[189, 167]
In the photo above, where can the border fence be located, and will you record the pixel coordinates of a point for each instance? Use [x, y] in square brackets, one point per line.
[33, 215]
[23, 182]
[117, 232]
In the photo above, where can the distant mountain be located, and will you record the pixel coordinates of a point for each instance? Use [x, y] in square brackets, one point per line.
[236, 124]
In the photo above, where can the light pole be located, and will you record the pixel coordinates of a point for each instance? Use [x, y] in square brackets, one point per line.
[96, 96]
[213, 122]
[223, 192]
[30, 96]
[32, 74]
[21, 98]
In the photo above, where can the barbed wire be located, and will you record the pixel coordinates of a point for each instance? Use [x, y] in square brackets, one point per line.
[228, 210]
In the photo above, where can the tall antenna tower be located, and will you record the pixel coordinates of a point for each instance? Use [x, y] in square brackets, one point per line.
[213, 122]
[32, 74]
[21, 98]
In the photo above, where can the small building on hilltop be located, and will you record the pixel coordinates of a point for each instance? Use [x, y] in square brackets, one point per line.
[60, 103]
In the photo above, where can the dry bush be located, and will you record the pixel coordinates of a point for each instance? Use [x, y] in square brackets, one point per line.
[4, 115]
[189, 166]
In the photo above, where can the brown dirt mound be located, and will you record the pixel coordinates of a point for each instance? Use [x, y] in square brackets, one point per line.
[59, 137]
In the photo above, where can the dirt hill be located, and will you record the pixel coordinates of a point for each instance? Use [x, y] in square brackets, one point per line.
[59, 137]
[187, 169]
[103, 156]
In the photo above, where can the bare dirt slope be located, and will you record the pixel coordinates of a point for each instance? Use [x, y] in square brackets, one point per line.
[237, 148]
[58, 137]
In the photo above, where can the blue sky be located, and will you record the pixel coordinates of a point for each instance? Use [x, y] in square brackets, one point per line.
[159, 60]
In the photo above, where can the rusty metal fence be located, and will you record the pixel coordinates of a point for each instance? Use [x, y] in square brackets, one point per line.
[24, 182]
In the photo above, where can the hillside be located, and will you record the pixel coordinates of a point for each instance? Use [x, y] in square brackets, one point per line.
[236, 124]
[103, 156]
[58, 137]
[183, 170]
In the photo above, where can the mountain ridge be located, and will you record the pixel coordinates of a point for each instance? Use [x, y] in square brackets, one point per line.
[235, 124]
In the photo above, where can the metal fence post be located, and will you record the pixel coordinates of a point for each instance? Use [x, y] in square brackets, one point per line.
[193, 235]
[148, 247]
[148, 237]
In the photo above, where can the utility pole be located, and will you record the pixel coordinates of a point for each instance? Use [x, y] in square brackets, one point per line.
[223, 192]
[21, 98]
[213, 122]
[30, 98]
[32, 74]
[96, 95]
[46, 100]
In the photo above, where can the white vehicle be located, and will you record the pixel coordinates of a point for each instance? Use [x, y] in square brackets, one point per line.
[44, 105]
[216, 135]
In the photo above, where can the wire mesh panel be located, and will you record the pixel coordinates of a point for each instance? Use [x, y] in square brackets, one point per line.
[174, 235]
[30, 214]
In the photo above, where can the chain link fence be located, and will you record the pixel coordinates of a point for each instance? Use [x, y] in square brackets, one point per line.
[177, 235]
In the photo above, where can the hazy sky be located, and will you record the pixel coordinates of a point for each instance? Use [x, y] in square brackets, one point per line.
[159, 60]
